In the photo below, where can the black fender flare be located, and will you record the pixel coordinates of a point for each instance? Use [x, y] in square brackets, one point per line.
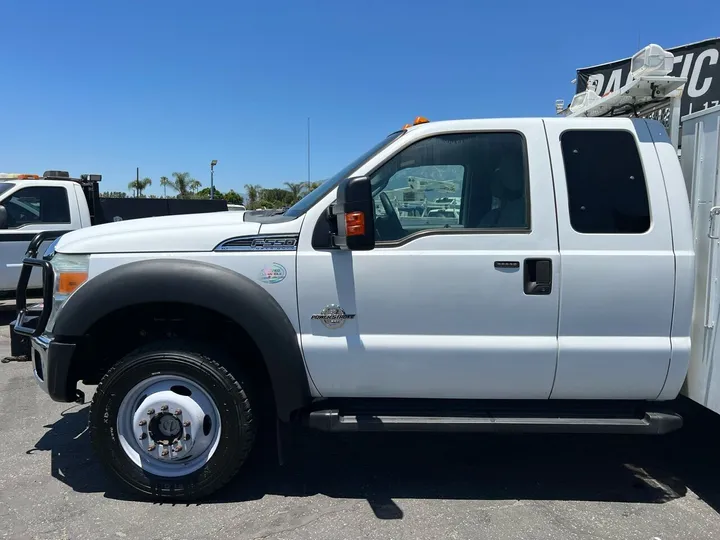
[205, 285]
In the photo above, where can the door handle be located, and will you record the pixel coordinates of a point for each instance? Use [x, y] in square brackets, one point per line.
[537, 278]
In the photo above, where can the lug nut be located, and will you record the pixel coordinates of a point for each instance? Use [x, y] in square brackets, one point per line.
[151, 411]
[164, 453]
[178, 448]
[186, 423]
[164, 408]
[151, 447]
[178, 412]
[142, 422]
[143, 436]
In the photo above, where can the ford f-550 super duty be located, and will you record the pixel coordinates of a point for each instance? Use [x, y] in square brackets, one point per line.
[556, 294]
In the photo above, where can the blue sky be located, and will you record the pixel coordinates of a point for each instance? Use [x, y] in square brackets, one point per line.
[106, 86]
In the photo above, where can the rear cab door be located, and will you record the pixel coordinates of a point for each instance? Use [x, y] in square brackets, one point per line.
[618, 263]
[32, 207]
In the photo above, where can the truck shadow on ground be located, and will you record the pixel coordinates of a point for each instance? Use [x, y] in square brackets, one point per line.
[380, 467]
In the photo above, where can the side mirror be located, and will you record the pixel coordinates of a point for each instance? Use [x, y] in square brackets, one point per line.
[3, 217]
[354, 211]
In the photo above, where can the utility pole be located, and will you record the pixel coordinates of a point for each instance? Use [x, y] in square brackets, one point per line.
[212, 178]
[137, 181]
[308, 152]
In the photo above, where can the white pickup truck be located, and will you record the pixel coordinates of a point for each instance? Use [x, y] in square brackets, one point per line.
[559, 298]
[57, 203]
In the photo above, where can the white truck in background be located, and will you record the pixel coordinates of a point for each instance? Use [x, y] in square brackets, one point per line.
[56, 203]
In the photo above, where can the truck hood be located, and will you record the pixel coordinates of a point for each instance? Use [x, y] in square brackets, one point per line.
[187, 232]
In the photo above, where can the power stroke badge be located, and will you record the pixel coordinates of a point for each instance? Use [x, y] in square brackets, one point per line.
[333, 316]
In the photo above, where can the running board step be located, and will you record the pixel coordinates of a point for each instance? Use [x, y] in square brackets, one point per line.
[653, 423]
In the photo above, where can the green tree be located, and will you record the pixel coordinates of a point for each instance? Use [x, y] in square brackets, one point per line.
[310, 186]
[139, 185]
[181, 184]
[253, 195]
[275, 198]
[194, 185]
[165, 183]
[296, 189]
[233, 198]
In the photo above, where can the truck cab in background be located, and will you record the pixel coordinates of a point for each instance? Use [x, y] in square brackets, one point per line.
[30, 204]
[55, 203]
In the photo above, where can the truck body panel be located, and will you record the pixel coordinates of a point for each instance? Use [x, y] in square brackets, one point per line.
[701, 163]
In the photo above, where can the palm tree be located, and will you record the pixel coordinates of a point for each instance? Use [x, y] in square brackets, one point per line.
[309, 186]
[139, 185]
[296, 189]
[194, 185]
[181, 184]
[165, 182]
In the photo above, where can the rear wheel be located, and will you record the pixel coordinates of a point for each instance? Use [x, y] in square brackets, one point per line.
[172, 422]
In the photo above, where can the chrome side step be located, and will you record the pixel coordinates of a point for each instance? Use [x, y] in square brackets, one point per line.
[652, 423]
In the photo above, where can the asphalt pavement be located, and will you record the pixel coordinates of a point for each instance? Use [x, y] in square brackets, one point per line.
[371, 486]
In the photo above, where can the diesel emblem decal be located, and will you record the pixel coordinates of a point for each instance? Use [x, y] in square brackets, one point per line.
[272, 274]
[332, 316]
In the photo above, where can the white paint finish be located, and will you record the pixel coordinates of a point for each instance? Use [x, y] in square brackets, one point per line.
[619, 288]
[12, 252]
[597, 362]
[683, 245]
[413, 365]
[490, 339]
[247, 264]
[180, 233]
[701, 165]
[285, 227]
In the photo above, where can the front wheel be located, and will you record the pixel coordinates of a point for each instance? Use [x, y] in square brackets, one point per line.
[172, 422]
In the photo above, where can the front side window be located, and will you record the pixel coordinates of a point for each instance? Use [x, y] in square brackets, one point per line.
[605, 182]
[33, 205]
[451, 183]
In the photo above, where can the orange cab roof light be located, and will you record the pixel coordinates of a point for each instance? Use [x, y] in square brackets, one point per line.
[28, 177]
[420, 120]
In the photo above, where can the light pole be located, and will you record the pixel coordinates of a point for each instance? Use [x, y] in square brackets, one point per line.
[212, 178]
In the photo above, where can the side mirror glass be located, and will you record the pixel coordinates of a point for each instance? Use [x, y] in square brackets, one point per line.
[3, 217]
[354, 211]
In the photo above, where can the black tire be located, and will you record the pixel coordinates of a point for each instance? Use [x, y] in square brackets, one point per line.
[231, 393]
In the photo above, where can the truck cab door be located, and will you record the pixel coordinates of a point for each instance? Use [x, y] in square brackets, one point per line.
[31, 209]
[459, 298]
[616, 250]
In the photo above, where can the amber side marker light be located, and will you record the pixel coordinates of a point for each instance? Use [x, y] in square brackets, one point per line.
[354, 223]
[420, 120]
[68, 282]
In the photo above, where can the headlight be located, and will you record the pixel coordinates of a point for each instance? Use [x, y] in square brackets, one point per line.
[71, 271]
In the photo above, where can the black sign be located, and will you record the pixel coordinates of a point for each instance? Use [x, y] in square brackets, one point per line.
[699, 62]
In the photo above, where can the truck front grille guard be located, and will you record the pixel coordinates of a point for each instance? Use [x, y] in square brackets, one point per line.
[24, 324]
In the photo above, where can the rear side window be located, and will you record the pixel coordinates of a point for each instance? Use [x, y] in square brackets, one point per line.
[605, 182]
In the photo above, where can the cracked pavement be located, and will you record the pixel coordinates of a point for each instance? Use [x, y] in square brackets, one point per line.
[370, 486]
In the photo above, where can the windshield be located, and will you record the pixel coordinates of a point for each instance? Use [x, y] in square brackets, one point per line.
[304, 204]
[4, 186]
